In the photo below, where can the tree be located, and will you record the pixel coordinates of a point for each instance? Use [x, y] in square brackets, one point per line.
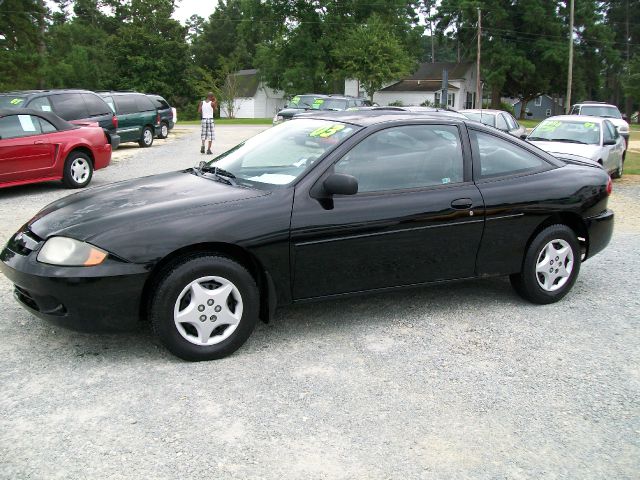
[371, 54]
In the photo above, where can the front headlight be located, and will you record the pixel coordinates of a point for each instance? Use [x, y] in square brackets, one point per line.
[623, 129]
[70, 253]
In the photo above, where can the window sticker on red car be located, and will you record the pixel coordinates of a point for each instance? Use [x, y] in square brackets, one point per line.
[16, 101]
[26, 122]
[325, 132]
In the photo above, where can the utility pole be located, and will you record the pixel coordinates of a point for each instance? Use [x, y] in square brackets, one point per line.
[570, 73]
[478, 92]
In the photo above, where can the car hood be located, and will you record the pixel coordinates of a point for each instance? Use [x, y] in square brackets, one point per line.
[125, 204]
[587, 151]
[290, 112]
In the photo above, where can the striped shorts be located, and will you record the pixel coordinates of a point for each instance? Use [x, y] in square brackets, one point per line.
[206, 129]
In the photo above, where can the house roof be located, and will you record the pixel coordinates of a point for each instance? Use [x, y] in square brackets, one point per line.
[417, 86]
[248, 81]
[433, 71]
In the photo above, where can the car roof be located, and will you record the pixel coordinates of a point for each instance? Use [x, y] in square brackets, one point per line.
[51, 117]
[116, 92]
[484, 110]
[45, 92]
[365, 118]
[592, 102]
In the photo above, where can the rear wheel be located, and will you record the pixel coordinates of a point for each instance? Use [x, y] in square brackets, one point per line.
[164, 130]
[146, 140]
[551, 266]
[204, 307]
[78, 170]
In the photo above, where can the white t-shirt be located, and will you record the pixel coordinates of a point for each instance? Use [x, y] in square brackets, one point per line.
[207, 109]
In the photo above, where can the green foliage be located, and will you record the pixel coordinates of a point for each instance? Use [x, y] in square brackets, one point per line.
[371, 54]
[396, 103]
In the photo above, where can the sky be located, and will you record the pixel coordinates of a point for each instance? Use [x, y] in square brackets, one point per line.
[186, 8]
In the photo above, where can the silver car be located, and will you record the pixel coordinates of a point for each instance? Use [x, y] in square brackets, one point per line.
[496, 118]
[595, 138]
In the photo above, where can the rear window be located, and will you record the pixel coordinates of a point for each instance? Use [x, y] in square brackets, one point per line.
[160, 102]
[126, 104]
[143, 103]
[12, 101]
[69, 106]
[600, 111]
[95, 105]
[486, 118]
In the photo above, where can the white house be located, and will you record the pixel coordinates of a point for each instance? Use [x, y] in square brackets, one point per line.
[425, 84]
[255, 99]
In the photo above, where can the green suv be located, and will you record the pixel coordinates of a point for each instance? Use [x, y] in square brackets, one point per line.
[138, 119]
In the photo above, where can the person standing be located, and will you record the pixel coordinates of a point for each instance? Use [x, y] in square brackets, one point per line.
[206, 109]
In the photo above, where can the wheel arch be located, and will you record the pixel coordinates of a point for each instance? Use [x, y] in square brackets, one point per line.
[266, 286]
[83, 149]
[571, 220]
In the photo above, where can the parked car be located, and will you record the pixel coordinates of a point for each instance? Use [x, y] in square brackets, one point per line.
[297, 104]
[75, 106]
[138, 119]
[38, 146]
[604, 110]
[595, 138]
[496, 118]
[326, 205]
[167, 115]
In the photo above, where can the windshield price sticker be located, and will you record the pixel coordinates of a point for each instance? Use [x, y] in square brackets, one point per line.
[589, 125]
[550, 126]
[16, 101]
[325, 132]
[295, 100]
[316, 103]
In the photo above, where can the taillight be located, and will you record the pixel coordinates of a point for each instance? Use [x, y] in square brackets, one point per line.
[157, 118]
[114, 121]
[609, 186]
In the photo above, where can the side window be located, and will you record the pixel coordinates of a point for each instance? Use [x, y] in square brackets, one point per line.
[612, 129]
[159, 102]
[46, 126]
[69, 106]
[15, 126]
[143, 103]
[607, 134]
[511, 121]
[95, 105]
[109, 101]
[40, 103]
[500, 157]
[575, 110]
[405, 157]
[126, 104]
[501, 123]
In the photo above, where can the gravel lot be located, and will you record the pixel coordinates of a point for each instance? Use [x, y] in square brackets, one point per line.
[450, 382]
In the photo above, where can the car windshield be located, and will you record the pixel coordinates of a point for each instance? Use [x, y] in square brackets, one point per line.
[302, 101]
[486, 118]
[12, 101]
[279, 155]
[600, 111]
[330, 104]
[571, 131]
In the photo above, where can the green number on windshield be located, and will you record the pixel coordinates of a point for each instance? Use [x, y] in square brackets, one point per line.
[324, 132]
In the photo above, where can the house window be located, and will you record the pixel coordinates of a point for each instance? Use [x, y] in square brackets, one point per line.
[437, 99]
[539, 101]
[471, 100]
[548, 113]
[451, 99]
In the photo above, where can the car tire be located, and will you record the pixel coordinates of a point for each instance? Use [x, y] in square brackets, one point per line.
[204, 307]
[553, 251]
[146, 139]
[164, 130]
[78, 170]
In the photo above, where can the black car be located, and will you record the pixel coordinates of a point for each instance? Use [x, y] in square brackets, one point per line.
[326, 205]
[167, 122]
[75, 106]
[303, 103]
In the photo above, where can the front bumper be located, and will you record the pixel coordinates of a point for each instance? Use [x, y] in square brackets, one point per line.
[102, 298]
[600, 229]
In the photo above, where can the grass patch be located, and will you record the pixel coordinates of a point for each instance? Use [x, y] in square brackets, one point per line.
[232, 121]
[529, 123]
[632, 162]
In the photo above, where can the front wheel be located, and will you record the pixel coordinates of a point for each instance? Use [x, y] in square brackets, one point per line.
[78, 170]
[146, 140]
[204, 307]
[551, 266]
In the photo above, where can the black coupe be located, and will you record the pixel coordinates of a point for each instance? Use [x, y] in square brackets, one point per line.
[328, 204]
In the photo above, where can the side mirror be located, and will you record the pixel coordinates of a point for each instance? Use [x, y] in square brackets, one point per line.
[340, 184]
[523, 136]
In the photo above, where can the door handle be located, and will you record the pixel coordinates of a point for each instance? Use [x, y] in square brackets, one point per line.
[38, 142]
[462, 204]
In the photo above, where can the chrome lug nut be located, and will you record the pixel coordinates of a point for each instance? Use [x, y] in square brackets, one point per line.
[203, 318]
[218, 308]
[210, 302]
[213, 318]
[201, 308]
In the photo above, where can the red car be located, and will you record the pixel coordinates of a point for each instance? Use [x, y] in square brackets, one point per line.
[38, 146]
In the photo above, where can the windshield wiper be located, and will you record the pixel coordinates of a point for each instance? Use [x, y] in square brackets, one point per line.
[220, 173]
[538, 138]
[567, 140]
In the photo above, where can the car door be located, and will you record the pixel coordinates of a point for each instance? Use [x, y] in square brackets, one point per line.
[128, 118]
[25, 153]
[615, 149]
[417, 216]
